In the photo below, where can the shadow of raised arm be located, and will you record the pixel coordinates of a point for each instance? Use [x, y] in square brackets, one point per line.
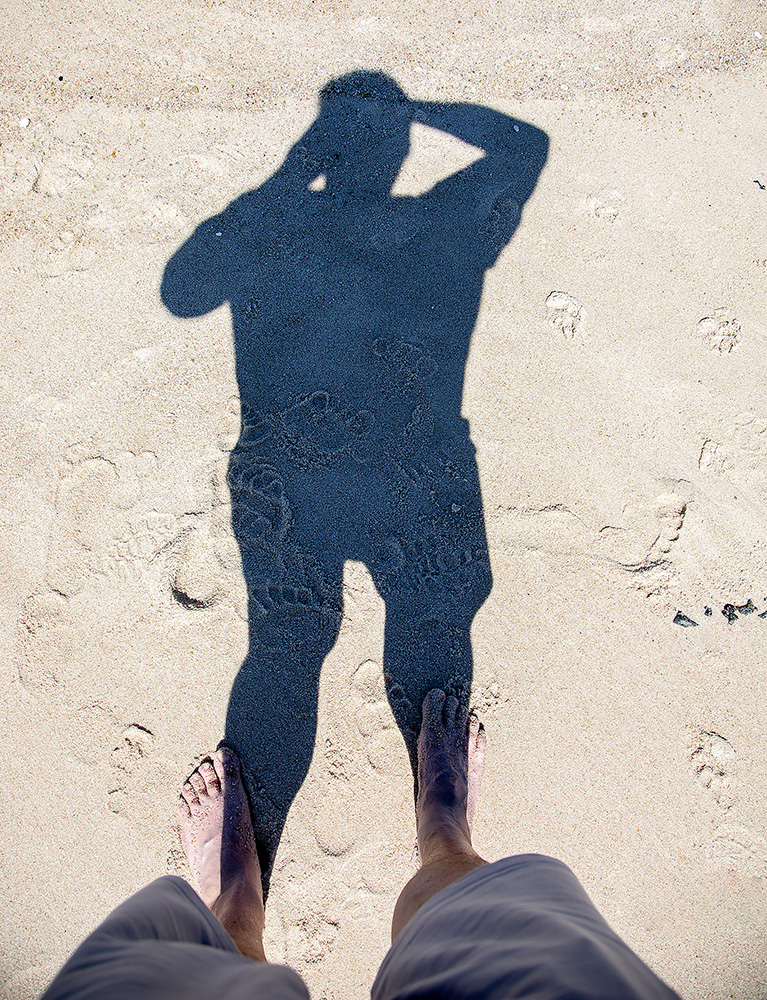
[515, 151]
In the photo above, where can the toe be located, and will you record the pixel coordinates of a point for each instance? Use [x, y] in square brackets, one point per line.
[218, 763]
[462, 718]
[189, 795]
[452, 707]
[208, 773]
[433, 704]
[184, 811]
[474, 729]
[198, 783]
[226, 763]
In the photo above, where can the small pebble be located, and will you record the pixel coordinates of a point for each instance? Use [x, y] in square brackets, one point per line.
[23, 122]
[683, 620]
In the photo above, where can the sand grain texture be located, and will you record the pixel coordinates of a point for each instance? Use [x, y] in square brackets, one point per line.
[615, 391]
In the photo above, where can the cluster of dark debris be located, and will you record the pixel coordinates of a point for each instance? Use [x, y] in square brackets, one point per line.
[731, 612]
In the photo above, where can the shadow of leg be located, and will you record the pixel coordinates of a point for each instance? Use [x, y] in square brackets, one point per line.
[294, 584]
[430, 649]
[272, 718]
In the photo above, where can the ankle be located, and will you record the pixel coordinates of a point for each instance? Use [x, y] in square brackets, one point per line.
[248, 939]
[240, 910]
[239, 898]
[443, 832]
[445, 850]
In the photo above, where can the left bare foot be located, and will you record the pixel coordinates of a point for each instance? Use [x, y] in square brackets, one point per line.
[217, 837]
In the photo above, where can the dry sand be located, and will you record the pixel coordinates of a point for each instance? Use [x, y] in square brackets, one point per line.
[616, 396]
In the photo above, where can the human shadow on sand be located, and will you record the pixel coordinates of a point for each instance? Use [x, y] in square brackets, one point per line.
[352, 312]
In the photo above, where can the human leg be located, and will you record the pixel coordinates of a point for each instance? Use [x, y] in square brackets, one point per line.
[520, 927]
[428, 666]
[451, 754]
[167, 941]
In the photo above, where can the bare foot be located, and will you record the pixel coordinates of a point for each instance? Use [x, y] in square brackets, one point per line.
[451, 763]
[217, 837]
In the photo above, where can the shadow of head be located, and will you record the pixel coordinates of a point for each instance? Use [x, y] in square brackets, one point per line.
[361, 136]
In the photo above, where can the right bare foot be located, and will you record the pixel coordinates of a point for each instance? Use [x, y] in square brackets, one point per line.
[451, 763]
[217, 837]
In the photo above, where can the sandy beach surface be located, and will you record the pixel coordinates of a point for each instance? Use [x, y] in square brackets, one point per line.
[615, 393]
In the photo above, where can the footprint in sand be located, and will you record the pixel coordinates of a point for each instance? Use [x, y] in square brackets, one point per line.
[641, 541]
[196, 576]
[605, 204]
[231, 424]
[647, 535]
[742, 452]
[65, 170]
[338, 760]
[333, 838]
[741, 848]
[103, 526]
[127, 760]
[49, 653]
[373, 714]
[711, 760]
[310, 939]
[565, 313]
[720, 332]
[375, 719]
[714, 458]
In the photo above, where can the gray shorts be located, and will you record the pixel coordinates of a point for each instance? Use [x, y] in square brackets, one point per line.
[522, 927]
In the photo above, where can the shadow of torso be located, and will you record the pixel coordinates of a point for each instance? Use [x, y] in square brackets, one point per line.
[352, 327]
